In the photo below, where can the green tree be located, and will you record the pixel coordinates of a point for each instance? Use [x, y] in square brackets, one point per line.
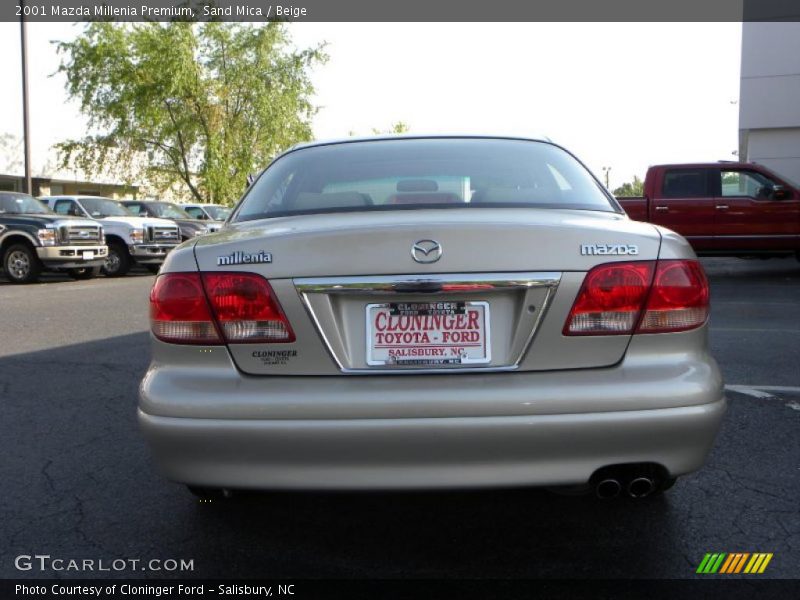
[398, 127]
[632, 188]
[395, 128]
[199, 105]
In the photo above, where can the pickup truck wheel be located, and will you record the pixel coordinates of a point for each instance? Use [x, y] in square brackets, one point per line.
[84, 273]
[21, 264]
[118, 262]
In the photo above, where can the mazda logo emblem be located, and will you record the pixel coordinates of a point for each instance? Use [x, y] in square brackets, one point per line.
[426, 251]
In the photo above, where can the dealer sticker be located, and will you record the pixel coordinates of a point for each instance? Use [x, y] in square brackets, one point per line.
[428, 333]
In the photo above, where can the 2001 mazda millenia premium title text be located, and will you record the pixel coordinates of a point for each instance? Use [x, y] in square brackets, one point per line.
[430, 312]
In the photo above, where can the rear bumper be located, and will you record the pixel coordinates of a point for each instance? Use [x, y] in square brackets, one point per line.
[207, 424]
[427, 453]
[70, 257]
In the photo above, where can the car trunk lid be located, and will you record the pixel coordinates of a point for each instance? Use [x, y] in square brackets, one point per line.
[511, 273]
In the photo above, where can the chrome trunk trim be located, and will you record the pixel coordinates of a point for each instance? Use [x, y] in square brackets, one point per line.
[416, 284]
[449, 283]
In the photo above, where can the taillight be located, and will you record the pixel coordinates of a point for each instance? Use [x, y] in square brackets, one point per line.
[672, 295]
[246, 308]
[179, 312]
[611, 299]
[679, 299]
[195, 308]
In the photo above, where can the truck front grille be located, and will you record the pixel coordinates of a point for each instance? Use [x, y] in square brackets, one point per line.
[81, 235]
[163, 235]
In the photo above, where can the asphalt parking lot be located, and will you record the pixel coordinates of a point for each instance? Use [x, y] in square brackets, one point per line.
[78, 483]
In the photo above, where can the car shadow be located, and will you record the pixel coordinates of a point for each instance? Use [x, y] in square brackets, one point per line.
[500, 533]
[79, 482]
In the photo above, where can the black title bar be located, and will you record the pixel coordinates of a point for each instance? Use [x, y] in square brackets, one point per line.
[405, 10]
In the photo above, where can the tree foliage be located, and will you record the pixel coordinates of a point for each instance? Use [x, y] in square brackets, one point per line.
[631, 188]
[11, 153]
[200, 105]
[397, 127]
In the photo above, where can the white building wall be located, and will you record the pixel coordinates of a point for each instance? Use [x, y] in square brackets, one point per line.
[777, 149]
[769, 100]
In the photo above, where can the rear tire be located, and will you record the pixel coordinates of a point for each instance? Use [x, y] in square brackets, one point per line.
[84, 273]
[21, 264]
[153, 268]
[118, 262]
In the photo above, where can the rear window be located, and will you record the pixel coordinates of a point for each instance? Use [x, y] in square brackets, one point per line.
[422, 173]
[685, 183]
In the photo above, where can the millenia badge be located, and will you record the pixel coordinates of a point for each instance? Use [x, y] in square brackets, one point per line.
[243, 258]
[734, 562]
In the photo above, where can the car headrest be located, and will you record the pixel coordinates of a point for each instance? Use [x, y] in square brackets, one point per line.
[417, 185]
[425, 198]
[313, 201]
[513, 196]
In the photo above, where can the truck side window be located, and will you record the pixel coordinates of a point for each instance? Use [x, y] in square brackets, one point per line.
[67, 207]
[746, 183]
[195, 212]
[685, 183]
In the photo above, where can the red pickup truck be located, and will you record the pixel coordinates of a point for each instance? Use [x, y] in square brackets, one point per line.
[725, 208]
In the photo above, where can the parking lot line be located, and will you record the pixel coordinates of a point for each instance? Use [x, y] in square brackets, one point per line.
[756, 329]
[761, 303]
[763, 391]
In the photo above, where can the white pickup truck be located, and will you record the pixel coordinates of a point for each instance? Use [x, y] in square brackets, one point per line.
[131, 240]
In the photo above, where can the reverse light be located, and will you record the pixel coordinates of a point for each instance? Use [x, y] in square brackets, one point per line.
[214, 308]
[641, 297]
[679, 298]
[179, 312]
[611, 299]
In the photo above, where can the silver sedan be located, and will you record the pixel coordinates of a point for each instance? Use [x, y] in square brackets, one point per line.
[431, 312]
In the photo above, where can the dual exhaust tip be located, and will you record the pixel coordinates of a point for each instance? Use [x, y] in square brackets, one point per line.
[639, 487]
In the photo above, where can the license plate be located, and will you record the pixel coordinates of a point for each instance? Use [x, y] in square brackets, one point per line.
[428, 333]
[88, 254]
